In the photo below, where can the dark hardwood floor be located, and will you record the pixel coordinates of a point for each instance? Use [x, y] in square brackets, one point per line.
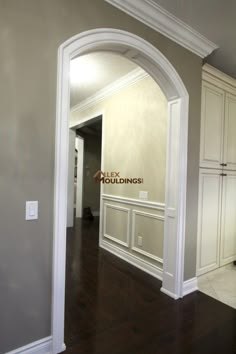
[114, 308]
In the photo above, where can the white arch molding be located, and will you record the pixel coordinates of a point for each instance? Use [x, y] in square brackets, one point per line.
[153, 61]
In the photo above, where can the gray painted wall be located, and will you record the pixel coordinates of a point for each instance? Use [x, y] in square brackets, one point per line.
[30, 33]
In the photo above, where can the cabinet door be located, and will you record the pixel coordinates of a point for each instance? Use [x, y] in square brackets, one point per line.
[209, 212]
[228, 223]
[212, 125]
[230, 132]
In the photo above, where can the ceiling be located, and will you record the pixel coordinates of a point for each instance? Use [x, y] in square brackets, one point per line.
[216, 20]
[92, 72]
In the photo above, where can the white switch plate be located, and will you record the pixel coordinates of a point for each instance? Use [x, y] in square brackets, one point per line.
[143, 195]
[31, 210]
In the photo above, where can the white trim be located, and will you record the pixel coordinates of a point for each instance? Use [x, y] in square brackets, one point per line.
[138, 250]
[190, 286]
[208, 69]
[129, 79]
[132, 201]
[114, 239]
[153, 61]
[80, 177]
[132, 259]
[169, 293]
[159, 19]
[42, 346]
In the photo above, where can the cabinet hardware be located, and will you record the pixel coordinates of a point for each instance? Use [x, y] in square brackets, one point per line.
[223, 174]
[223, 164]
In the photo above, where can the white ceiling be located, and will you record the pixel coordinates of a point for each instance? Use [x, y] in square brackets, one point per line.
[92, 72]
[216, 20]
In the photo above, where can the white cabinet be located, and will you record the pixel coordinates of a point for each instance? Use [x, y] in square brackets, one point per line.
[212, 126]
[228, 219]
[209, 214]
[218, 127]
[230, 132]
[216, 219]
[217, 180]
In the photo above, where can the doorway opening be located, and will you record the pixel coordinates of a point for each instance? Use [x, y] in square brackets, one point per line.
[144, 55]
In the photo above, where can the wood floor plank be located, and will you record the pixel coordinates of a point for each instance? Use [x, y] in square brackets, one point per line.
[114, 308]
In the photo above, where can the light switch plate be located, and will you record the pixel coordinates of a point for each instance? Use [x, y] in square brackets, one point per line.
[143, 195]
[31, 210]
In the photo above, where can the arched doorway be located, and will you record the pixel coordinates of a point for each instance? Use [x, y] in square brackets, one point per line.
[152, 61]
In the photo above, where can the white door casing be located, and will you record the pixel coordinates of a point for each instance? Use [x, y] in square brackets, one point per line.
[80, 175]
[70, 182]
[152, 60]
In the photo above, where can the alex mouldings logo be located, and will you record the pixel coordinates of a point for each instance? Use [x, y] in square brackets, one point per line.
[114, 178]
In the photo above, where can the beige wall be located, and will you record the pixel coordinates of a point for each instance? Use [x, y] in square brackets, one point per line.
[134, 138]
[30, 33]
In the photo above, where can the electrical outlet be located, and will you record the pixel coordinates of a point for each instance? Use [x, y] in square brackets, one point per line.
[140, 241]
[143, 195]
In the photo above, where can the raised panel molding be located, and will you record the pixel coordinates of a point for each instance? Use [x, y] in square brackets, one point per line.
[209, 215]
[230, 132]
[212, 126]
[130, 227]
[113, 238]
[162, 21]
[133, 247]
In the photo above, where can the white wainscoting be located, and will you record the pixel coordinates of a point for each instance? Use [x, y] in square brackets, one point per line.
[127, 250]
[139, 250]
[113, 237]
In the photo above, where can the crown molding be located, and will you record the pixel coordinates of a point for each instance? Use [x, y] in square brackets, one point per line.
[129, 79]
[159, 19]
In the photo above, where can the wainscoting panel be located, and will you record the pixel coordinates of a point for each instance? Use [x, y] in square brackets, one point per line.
[134, 230]
[148, 234]
[117, 224]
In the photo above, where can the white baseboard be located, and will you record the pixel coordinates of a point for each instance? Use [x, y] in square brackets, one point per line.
[169, 293]
[132, 259]
[63, 348]
[42, 346]
[190, 286]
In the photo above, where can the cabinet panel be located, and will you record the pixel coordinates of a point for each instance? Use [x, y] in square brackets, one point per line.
[228, 224]
[212, 125]
[209, 220]
[230, 132]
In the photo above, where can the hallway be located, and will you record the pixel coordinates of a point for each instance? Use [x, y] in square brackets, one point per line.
[112, 307]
